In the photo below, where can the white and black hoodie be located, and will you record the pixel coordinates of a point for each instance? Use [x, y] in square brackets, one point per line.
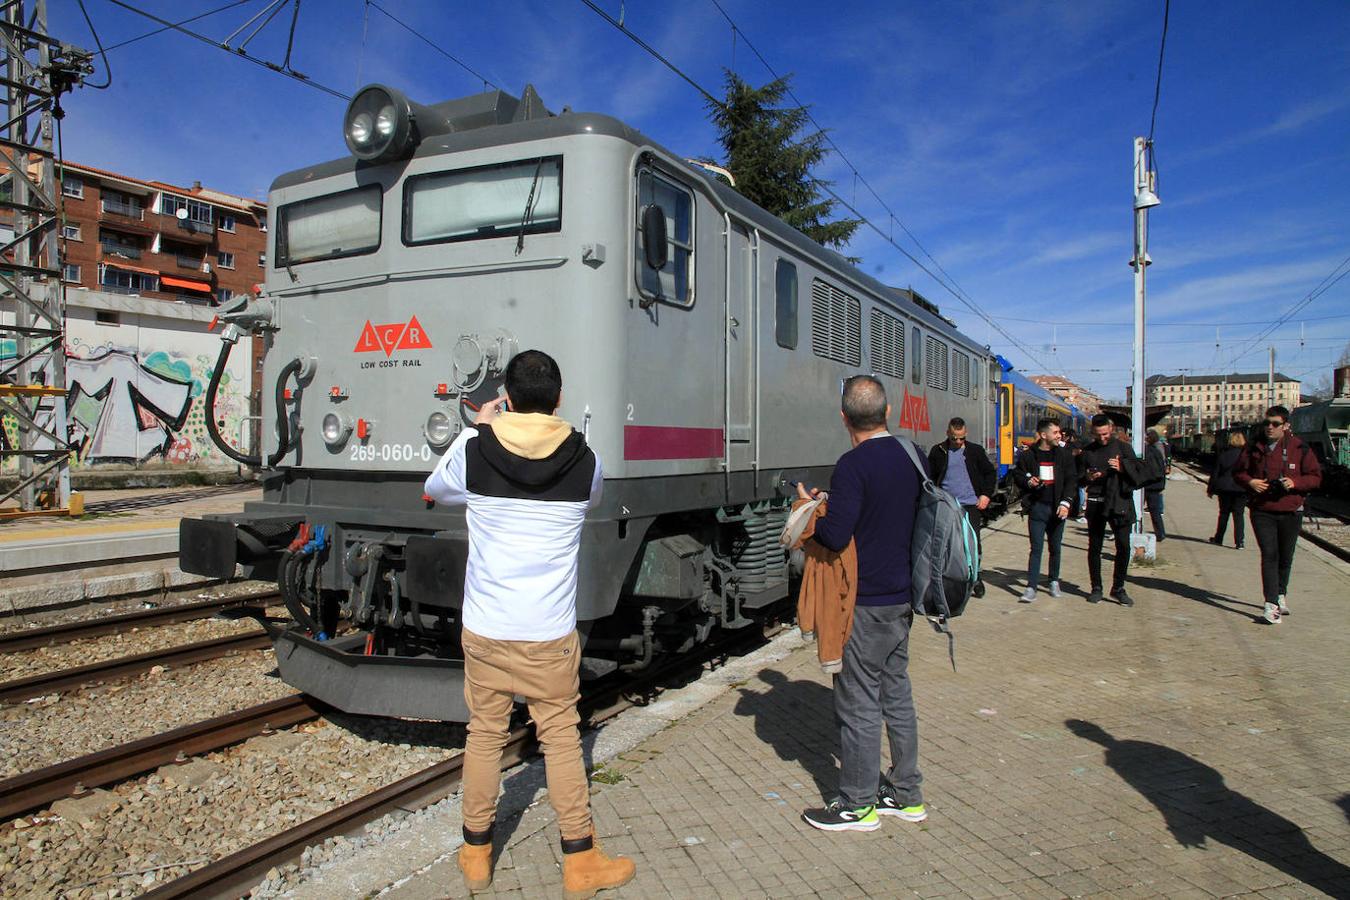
[527, 480]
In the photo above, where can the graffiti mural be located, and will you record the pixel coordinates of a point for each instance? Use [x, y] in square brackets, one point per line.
[135, 394]
[121, 410]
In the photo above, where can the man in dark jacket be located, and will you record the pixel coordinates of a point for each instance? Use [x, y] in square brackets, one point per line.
[874, 498]
[1046, 474]
[1112, 472]
[1155, 454]
[1278, 471]
[963, 470]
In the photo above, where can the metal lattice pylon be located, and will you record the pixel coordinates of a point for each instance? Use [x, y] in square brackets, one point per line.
[36, 69]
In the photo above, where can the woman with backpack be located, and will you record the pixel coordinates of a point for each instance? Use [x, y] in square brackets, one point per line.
[1232, 496]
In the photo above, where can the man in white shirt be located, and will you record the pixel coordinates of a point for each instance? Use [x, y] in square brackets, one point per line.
[527, 478]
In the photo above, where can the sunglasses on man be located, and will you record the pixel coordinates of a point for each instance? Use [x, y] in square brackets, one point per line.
[1274, 423]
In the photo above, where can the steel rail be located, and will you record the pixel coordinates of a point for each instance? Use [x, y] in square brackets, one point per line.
[233, 875]
[36, 789]
[66, 632]
[123, 666]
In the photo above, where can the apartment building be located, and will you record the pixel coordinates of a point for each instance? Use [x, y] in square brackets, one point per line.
[1078, 396]
[1198, 400]
[122, 235]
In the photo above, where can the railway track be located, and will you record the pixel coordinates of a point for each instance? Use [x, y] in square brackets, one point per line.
[125, 666]
[36, 789]
[233, 875]
[64, 633]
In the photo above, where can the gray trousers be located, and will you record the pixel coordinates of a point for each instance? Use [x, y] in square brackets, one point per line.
[874, 686]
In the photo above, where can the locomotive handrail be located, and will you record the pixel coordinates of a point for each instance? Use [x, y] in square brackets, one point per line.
[544, 262]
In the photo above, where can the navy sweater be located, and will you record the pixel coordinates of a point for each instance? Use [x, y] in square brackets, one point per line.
[873, 497]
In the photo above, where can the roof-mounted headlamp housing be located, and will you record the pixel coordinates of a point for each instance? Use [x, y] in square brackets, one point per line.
[381, 124]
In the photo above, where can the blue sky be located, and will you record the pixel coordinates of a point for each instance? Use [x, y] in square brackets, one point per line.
[1000, 133]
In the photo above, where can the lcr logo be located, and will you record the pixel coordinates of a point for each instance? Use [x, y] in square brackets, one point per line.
[407, 335]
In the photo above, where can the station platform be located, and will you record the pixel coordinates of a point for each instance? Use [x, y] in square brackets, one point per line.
[1178, 748]
[126, 542]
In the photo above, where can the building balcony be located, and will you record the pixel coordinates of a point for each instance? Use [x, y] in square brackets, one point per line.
[185, 231]
[189, 262]
[124, 210]
[110, 247]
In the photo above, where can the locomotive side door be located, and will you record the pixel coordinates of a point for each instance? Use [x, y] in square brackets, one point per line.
[741, 315]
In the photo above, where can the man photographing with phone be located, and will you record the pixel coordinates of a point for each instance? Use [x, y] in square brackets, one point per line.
[1111, 471]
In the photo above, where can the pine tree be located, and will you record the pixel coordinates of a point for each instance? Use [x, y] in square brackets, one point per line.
[771, 164]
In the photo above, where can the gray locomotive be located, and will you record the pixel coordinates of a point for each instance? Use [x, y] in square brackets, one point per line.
[702, 343]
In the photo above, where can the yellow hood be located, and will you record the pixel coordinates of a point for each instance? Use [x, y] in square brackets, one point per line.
[531, 435]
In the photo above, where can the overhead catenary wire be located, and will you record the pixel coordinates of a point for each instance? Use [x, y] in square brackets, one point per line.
[1340, 271]
[826, 188]
[487, 82]
[107, 66]
[238, 52]
[857, 175]
[173, 25]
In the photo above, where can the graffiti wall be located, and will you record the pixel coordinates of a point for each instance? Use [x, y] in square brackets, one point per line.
[136, 385]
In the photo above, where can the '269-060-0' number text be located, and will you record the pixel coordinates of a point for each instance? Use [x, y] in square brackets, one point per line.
[391, 453]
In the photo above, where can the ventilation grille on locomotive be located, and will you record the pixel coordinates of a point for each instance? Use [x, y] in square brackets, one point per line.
[887, 344]
[836, 324]
[935, 360]
[960, 374]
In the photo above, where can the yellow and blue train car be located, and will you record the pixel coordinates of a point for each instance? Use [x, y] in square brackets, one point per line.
[1020, 404]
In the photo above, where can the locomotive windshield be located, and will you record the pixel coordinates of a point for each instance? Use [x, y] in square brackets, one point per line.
[342, 224]
[486, 201]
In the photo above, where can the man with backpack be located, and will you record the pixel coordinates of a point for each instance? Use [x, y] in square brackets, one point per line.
[874, 496]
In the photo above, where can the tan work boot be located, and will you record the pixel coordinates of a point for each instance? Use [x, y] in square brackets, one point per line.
[475, 861]
[588, 870]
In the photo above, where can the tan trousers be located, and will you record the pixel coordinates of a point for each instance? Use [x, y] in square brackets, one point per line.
[546, 674]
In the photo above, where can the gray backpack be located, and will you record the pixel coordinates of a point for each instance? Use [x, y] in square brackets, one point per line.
[944, 553]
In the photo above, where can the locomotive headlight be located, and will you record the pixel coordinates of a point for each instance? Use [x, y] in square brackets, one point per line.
[335, 430]
[360, 128]
[439, 429]
[381, 124]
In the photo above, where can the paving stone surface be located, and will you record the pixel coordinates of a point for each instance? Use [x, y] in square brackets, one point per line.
[1176, 749]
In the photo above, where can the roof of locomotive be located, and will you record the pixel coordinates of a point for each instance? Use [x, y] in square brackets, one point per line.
[572, 123]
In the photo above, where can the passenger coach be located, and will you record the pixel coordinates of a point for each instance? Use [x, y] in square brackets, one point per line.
[702, 343]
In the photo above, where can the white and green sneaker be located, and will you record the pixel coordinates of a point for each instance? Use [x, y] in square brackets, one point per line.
[837, 817]
[888, 805]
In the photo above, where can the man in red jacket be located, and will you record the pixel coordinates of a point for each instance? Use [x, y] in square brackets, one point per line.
[1278, 471]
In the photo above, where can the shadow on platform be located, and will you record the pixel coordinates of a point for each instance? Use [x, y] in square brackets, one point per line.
[796, 719]
[1197, 805]
[1200, 595]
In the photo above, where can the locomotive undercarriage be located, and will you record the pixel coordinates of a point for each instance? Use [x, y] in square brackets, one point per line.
[375, 608]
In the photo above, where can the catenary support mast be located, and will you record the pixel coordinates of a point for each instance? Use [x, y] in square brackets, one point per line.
[36, 70]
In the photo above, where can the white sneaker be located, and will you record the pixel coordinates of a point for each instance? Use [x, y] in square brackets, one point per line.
[1272, 614]
[1284, 607]
[1081, 520]
[1054, 589]
[1028, 595]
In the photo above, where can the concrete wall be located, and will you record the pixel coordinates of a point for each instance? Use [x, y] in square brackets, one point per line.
[136, 375]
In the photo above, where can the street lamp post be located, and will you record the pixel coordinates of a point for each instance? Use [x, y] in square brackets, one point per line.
[1144, 200]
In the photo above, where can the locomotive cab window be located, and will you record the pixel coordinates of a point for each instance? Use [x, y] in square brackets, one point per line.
[785, 304]
[673, 282]
[916, 366]
[329, 227]
[501, 200]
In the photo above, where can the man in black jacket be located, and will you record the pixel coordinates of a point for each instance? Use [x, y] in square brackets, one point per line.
[1112, 472]
[1156, 454]
[1048, 478]
[964, 471]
